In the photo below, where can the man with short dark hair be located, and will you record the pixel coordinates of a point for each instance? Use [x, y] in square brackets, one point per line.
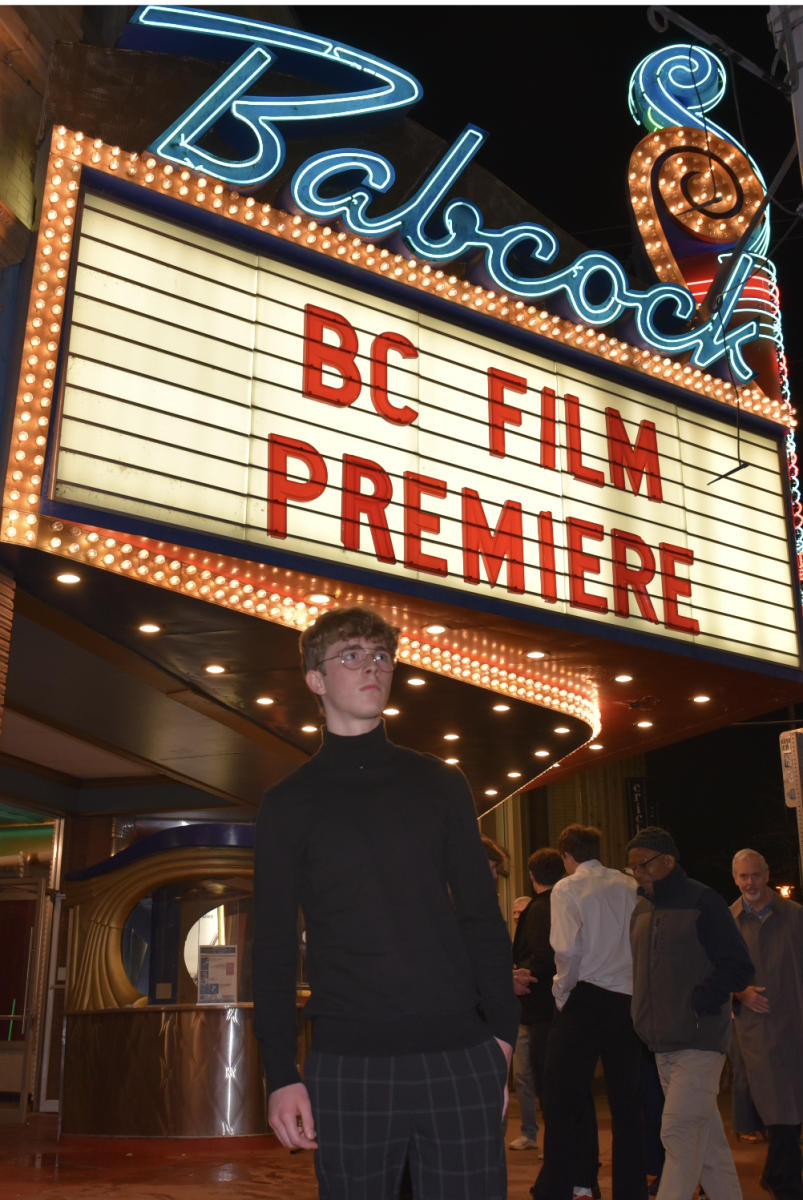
[688, 956]
[768, 1019]
[408, 956]
[591, 910]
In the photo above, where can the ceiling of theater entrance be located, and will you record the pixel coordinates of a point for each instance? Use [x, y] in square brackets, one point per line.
[106, 718]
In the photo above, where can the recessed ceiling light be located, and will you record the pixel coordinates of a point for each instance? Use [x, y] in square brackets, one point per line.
[215, 669]
[644, 724]
[514, 774]
[536, 654]
[491, 792]
[435, 628]
[416, 682]
[701, 699]
[319, 598]
[264, 700]
[542, 754]
[150, 629]
[390, 712]
[451, 737]
[68, 578]
[563, 729]
[309, 728]
[501, 708]
[452, 761]
[623, 678]
[595, 746]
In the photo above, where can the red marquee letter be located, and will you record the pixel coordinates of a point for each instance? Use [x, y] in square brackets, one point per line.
[354, 502]
[546, 542]
[636, 460]
[674, 588]
[574, 445]
[417, 522]
[318, 355]
[281, 488]
[499, 413]
[379, 377]
[582, 564]
[637, 578]
[549, 439]
[506, 542]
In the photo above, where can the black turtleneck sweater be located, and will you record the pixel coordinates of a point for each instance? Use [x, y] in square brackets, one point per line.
[406, 945]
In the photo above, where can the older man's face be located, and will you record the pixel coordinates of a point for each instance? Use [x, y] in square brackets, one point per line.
[751, 879]
[518, 908]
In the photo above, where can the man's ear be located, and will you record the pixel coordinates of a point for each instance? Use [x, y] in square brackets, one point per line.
[316, 682]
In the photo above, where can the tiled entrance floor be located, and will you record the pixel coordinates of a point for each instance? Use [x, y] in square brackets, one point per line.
[33, 1164]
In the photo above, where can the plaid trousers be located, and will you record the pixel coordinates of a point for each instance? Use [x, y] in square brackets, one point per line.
[442, 1112]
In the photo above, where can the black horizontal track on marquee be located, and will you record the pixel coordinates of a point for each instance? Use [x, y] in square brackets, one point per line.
[251, 377]
[550, 348]
[249, 437]
[255, 322]
[434, 546]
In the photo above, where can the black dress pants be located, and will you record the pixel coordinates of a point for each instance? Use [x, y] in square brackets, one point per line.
[593, 1024]
[782, 1170]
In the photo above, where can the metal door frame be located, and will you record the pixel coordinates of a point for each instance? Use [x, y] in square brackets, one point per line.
[31, 999]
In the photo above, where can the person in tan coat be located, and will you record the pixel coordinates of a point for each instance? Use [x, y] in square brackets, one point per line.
[769, 1019]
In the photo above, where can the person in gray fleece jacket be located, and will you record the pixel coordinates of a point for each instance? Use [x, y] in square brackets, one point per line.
[688, 958]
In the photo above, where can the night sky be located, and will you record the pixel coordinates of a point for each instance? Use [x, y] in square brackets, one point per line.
[550, 85]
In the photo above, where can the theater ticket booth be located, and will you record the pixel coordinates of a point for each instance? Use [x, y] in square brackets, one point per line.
[250, 389]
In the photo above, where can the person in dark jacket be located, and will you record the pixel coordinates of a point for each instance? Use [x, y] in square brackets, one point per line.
[533, 954]
[408, 955]
[688, 957]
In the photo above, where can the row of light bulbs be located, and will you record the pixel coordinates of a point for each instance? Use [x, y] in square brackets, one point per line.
[299, 610]
[54, 246]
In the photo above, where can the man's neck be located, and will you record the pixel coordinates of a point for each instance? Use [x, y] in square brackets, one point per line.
[540, 888]
[345, 725]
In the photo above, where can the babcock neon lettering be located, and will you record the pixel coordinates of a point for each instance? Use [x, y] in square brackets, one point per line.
[595, 285]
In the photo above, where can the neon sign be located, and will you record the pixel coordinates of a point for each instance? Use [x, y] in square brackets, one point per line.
[513, 259]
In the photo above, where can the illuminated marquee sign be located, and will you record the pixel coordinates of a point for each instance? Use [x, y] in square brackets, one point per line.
[595, 286]
[209, 387]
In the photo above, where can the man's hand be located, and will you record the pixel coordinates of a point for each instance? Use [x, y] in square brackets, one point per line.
[507, 1050]
[288, 1105]
[522, 980]
[752, 999]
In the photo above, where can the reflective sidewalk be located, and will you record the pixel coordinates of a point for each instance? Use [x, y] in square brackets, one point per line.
[33, 1165]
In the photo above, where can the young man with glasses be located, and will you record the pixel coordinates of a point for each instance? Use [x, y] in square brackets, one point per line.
[408, 956]
[688, 957]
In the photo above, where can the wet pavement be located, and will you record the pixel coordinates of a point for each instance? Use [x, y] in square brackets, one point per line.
[33, 1164]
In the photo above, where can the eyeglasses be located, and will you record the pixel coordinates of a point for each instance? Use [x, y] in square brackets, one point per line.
[355, 657]
[639, 867]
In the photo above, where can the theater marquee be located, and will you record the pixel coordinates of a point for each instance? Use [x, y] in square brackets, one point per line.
[214, 389]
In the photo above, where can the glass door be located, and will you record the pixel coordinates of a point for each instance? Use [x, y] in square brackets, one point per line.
[20, 916]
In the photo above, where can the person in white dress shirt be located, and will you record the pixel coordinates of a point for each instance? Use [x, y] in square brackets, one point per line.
[590, 934]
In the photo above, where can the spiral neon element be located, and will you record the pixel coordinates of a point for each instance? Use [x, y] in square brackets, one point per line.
[680, 85]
